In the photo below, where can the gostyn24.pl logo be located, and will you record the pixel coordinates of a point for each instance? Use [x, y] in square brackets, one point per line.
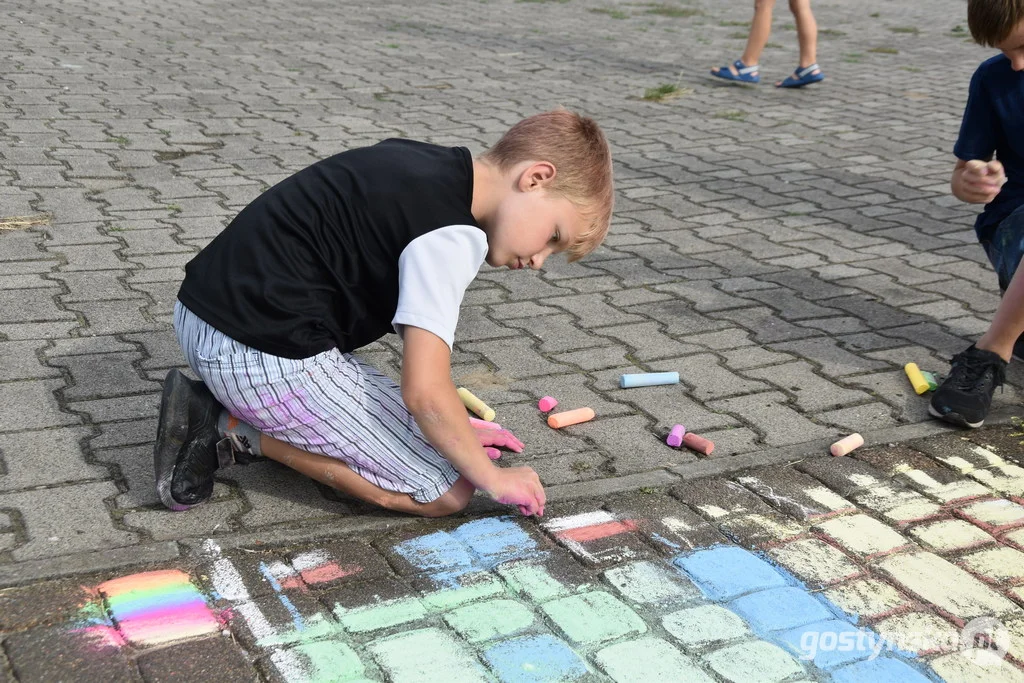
[983, 640]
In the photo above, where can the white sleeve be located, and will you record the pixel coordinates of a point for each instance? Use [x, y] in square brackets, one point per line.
[434, 271]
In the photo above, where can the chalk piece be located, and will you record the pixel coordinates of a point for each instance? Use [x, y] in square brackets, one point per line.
[918, 381]
[930, 378]
[648, 379]
[675, 437]
[845, 445]
[475, 404]
[698, 443]
[484, 423]
[570, 417]
[547, 403]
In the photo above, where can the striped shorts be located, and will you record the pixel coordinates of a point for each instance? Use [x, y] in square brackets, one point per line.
[331, 404]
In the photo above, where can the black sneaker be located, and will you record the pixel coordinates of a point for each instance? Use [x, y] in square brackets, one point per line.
[185, 456]
[1018, 349]
[966, 395]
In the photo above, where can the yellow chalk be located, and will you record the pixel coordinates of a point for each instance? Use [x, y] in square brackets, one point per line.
[484, 411]
[916, 378]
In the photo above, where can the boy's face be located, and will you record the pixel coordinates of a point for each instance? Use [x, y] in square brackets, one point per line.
[530, 224]
[1013, 47]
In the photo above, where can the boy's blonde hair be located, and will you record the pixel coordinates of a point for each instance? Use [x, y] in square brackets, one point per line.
[992, 21]
[583, 163]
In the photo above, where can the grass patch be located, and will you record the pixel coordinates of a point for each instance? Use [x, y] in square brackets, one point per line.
[613, 13]
[738, 35]
[734, 23]
[561, 2]
[789, 27]
[672, 11]
[905, 29]
[834, 33]
[853, 58]
[665, 91]
[174, 208]
[731, 115]
[579, 466]
[11, 223]
[120, 140]
[958, 30]
[773, 46]
[884, 50]
[875, 15]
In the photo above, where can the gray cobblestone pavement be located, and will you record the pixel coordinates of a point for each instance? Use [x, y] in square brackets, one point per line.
[786, 252]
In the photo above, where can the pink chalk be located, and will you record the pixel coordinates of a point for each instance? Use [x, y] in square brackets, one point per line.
[484, 424]
[547, 403]
[844, 446]
[675, 437]
[698, 443]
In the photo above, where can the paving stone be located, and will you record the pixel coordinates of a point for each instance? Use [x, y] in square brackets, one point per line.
[881, 669]
[814, 562]
[896, 504]
[919, 633]
[727, 572]
[318, 660]
[769, 413]
[204, 659]
[483, 621]
[703, 626]
[540, 580]
[104, 375]
[331, 564]
[753, 661]
[535, 658]
[21, 361]
[651, 585]
[416, 655]
[994, 516]
[964, 667]
[998, 566]
[944, 585]
[592, 618]
[270, 621]
[648, 659]
[950, 535]
[862, 536]
[597, 539]
[845, 476]
[59, 653]
[440, 596]
[795, 494]
[39, 458]
[669, 526]
[866, 599]
[41, 604]
[31, 405]
[375, 605]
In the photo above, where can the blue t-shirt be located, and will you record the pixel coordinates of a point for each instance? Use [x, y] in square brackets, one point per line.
[994, 125]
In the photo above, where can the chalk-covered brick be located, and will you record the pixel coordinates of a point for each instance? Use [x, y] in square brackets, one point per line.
[488, 620]
[532, 659]
[557, 576]
[896, 504]
[988, 468]
[779, 609]
[862, 536]
[880, 669]
[760, 528]
[964, 667]
[995, 516]
[753, 661]
[815, 562]
[648, 659]
[650, 584]
[330, 659]
[944, 585]
[829, 644]
[867, 599]
[919, 633]
[996, 565]
[698, 627]
[727, 572]
[592, 618]
[950, 535]
[795, 494]
[414, 656]
[943, 485]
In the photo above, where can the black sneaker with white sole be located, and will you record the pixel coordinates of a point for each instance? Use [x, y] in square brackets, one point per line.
[185, 456]
[965, 397]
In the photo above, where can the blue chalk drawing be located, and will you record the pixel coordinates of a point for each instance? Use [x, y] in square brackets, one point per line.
[533, 659]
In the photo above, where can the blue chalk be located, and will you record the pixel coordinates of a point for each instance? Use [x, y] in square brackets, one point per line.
[648, 379]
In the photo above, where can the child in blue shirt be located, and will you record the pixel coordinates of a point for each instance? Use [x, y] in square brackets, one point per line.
[990, 171]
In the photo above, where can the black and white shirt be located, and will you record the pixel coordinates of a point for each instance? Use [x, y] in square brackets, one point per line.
[344, 251]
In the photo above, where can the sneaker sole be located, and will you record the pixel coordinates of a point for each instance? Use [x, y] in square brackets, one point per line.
[171, 432]
[954, 418]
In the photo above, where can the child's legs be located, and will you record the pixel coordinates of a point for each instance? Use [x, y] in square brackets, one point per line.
[1005, 252]
[330, 406]
[760, 29]
[806, 31]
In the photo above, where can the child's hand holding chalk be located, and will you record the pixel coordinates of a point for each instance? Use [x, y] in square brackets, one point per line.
[519, 486]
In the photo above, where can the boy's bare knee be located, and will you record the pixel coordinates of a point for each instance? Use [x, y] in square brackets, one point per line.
[454, 500]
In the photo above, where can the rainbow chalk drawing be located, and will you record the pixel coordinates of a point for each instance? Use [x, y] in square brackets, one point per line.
[917, 380]
[675, 437]
[474, 404]
[648, 379]
[158, 607]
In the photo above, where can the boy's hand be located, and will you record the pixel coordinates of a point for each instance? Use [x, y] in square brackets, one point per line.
[979, 182]
[519, 486]
[501, 438]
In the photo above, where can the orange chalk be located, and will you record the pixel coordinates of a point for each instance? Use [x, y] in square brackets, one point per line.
[844, 446]
[698, 443]
[570, 417]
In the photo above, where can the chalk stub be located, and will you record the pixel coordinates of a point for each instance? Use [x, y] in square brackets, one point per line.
[648, 379]
[570, 417]
[847, 444]
[918, 381]
[547, 403]
[483, 424]
[675, 437]
[476, 405]
[698, 443]
[930, 378]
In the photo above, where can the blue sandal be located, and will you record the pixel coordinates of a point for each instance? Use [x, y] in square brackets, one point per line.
[802, 77]
[745, 74]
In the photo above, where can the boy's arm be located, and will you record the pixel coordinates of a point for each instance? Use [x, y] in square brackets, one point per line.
[430, 395]
[977, 181]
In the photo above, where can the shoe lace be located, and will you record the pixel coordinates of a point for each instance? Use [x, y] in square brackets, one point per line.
[968, 369]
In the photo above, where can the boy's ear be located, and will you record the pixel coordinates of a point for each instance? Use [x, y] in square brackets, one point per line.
[536, 175]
